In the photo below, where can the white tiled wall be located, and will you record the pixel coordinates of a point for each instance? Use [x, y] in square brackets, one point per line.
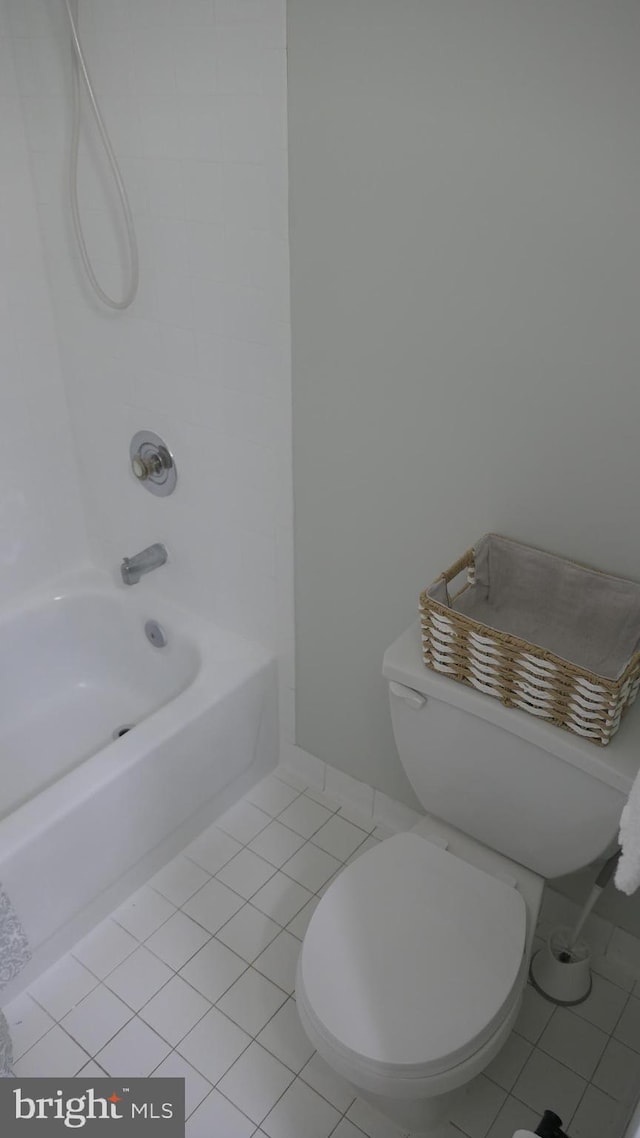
[40, 512]
[194, 93]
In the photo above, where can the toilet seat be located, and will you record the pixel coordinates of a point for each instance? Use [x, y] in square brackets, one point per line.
[412, 960]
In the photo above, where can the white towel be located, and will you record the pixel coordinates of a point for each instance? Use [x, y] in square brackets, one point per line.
[627, 877]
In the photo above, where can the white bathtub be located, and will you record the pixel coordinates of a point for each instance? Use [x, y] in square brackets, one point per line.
[84, 818]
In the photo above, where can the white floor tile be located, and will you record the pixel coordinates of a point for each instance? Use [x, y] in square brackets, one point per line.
[196, 1087]
[544, 1064]
[327, 885]
[143, 913]
[63, 986]
[175, 1010]
[217, 1116]
[301, 1111]
[134, 1052]
[56, 1055]
[374, 1124]
[213, 1045]
[368, 844]
[255, 1082]
[276, 844]
[285, 1038]
[311, 867]
[281, 898]
[105, 948]
[248, 933]
[573, 1041]
[212, 849]
[214, 969]
[627, 1029]
[213, 905]
[28, 1023]
[513, 1116]
[478, 1107]
[358, 816]
[346, 1129]
[339, 837]
[138, 978]
[272, 795]
[279, 961]
[534, 1015]
[304, 816]
[251, 1001]
[624, 949]
[330, 801]
[91, 1070]
[382, 832]
[618, 1072]
[96, 1019]
[617, 973]
[507, 1065]
[243, 821]
[546, 1085]
[246, 873]
[596, 1116]
[292, 777]
[177, 940]
[603, 1006]
[327, 1083]
[557, 909]
[394, 814]
[300, 923]
[179, 880]
[355, 797]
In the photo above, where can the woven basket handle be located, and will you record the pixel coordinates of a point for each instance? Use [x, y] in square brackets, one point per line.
[452, 572]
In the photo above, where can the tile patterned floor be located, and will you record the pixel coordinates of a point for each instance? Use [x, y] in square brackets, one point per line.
[194, 976]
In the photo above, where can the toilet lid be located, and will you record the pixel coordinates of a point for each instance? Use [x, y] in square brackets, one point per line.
[412, 956]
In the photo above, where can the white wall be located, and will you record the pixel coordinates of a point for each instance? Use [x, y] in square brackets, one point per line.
[466, 316]
[195, 97]
[41, 530]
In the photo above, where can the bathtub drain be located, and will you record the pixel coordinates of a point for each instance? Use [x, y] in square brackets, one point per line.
[120, 731]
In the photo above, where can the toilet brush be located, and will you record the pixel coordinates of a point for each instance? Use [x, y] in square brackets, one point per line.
[561, 970]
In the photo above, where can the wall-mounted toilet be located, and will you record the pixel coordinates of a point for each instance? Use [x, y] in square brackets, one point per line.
[414, 963]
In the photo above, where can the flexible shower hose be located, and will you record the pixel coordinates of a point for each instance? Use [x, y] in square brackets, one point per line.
[80, 69]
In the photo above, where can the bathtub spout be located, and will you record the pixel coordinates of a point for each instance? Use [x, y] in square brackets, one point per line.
[133, 568]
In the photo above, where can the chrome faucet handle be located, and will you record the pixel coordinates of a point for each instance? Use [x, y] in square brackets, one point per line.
[152, 463]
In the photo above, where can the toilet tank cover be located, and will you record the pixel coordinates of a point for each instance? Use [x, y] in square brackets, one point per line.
[412, 955]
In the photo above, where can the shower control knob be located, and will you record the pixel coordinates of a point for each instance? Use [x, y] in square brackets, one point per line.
[152, 463]
[144, 468]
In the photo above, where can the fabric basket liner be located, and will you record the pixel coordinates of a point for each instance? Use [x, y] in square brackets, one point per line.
[539, 632]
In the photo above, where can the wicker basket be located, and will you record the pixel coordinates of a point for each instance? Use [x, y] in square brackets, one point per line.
[554, 638]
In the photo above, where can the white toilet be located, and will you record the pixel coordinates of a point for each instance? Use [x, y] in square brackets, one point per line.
[414, 963]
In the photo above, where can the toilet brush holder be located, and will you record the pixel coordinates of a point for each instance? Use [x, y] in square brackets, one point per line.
[560, 971]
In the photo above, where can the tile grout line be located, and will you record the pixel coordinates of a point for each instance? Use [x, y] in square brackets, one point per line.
[581, 1100]
[333, 811]
[143, 943]
[305, 841]
[276, 870]
[174, 1047]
